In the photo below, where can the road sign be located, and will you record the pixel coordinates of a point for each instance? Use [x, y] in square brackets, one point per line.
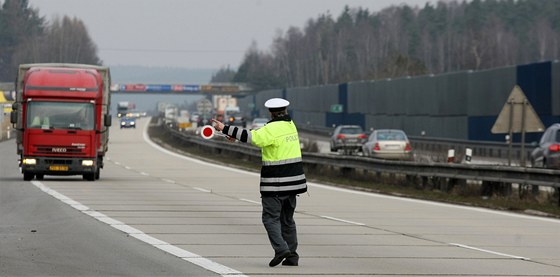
[204, 106]
[337, 108]
[517, 115]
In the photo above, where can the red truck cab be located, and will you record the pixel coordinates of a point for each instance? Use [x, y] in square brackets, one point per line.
[62, 118]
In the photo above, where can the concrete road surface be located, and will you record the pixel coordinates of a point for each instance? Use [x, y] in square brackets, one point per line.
[209, 215]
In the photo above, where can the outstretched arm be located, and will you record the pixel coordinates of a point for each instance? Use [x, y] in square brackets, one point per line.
[240, 134]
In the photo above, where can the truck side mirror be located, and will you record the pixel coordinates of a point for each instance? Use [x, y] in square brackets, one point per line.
[107, 120]
[13, 117]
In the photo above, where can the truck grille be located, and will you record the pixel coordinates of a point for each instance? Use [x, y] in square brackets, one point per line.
[52, 161]
[58, 150]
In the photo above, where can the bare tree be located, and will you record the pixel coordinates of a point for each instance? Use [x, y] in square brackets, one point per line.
[401, 40]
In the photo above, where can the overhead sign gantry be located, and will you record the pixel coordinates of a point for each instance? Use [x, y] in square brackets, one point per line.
[214, 88]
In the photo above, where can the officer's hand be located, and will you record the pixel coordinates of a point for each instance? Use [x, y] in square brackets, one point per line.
[218, 125]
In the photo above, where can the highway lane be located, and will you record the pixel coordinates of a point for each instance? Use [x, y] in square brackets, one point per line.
[209, 215]
[42, 236]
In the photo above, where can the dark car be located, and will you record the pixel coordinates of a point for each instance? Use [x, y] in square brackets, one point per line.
[547, 152]
[348, 138]
[128, 122]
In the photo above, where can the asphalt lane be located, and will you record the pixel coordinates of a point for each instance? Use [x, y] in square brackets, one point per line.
[42, 236]
[209, 215]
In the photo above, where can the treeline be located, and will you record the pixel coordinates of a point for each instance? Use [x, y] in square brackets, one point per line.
[26, 37]
[404, 41]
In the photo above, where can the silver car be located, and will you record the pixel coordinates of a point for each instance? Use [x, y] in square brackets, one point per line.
[348, 138]
[388, 144]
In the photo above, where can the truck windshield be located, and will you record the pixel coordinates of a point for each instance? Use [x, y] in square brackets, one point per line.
[60, 115]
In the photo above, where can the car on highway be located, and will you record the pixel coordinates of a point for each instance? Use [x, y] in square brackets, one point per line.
[128, 122]
[388, 144]
[547, 152]
[258, 122]
[135, 114]
[348, 138]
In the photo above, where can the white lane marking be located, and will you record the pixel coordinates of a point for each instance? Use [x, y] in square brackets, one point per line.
[126, 229]
[149, 239]
[179, 252]
[94, 214]
[201, 189]
[168, 180]
[250, 201]
[490, 251]
[370, 194]
[144, 173]
[128, 167]
[169, 248]
[206, 263]
[108, 220]
[342, 220]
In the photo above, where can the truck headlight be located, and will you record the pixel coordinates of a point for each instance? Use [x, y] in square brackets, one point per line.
[87, 163]
[132, 123]
[122, 123]
[29, 161]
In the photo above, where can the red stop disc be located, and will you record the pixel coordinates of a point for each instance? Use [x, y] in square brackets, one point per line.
[207, 132]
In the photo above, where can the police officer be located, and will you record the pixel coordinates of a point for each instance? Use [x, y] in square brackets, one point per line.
[282, 177]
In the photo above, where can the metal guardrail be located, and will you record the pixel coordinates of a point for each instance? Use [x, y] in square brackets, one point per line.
[487, 173]
[485, 149]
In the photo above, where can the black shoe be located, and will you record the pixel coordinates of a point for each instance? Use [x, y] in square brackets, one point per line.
[278, 258]
[290, 262]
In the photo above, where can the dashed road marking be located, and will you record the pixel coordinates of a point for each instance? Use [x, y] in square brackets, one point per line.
[162, 245]
[342, 220]
[490, 251]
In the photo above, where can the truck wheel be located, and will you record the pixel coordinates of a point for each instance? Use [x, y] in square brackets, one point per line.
[89, 176]
[97, 174]
[28, 176]
[40, 176]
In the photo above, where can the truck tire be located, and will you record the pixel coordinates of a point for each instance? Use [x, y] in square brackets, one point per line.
[97, 173]
[28, 176]
[40, 176]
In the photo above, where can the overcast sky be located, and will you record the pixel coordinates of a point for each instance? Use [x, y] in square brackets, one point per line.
[192, 33]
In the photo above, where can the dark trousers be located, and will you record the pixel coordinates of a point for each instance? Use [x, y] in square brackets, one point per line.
[278, 219]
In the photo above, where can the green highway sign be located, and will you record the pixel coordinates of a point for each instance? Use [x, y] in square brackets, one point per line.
[337, 108]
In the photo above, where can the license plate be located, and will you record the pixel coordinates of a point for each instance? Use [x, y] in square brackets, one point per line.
[351, 140]
[58, 168]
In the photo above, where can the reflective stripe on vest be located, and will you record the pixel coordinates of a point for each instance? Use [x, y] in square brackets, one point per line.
[283, 179]
[288, 161]
[283, 188]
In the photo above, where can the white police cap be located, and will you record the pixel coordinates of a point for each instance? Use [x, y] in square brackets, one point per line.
[276, 103]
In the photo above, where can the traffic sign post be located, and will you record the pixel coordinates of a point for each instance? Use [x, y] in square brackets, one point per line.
[509, 121]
